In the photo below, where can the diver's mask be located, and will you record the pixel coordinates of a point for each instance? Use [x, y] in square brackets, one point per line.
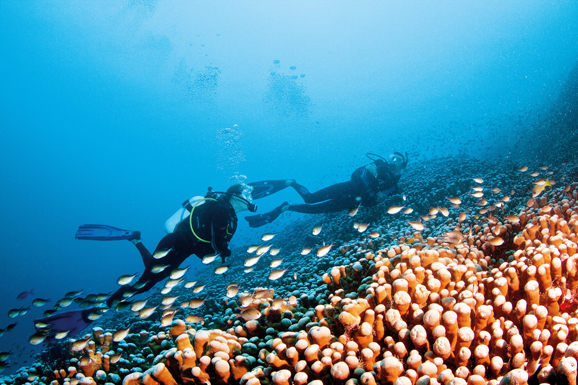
[398, 161]
[250, 206]
[242, 195]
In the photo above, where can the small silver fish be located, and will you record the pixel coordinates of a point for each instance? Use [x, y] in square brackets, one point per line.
[251, 261]
[232, 291]
[126, 279]
[140, 284]
[129, 293]
[192, 319]
[252, 248]
[276, 274]
[37, 338]
[120, 335]
[61, 335]
[394, 209]
[159, 268]
[178, 273]
[209, 258]
[138, 305]
[161, 253]
[263, 249]
[352, 211]
[323, 250]
[96, 314]
[167, 301]
[73, 294]
[40, 302]
[267, 237]
[196, 303]
[250, 314]
[146, 312]
[276, 262]
[172, 282]
[64, 302]
[416, 225]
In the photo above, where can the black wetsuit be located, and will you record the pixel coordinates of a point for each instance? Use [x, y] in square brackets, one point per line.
[214, 223]
[362, 188]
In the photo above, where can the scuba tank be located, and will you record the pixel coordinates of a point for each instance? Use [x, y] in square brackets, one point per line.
[186, 211]
[183, 213]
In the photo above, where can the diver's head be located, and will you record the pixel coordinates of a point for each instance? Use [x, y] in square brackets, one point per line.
[240, 198]
[398, 162]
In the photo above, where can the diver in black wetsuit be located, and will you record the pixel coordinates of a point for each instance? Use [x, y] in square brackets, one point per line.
[368, 186]
[213, 225]
[206, 230]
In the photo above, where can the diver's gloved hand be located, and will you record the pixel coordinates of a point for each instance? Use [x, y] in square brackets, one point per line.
[224, 255]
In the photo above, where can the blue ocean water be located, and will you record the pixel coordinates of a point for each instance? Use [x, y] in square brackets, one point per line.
[116, 112]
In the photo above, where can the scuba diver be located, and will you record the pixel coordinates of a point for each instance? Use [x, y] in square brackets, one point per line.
[368, 186]
[202, 226]
[208, 228]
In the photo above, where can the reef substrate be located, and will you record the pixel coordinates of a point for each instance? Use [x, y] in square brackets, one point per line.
[497, 305]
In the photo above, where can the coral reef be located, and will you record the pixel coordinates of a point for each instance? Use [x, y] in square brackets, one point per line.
[493, 302]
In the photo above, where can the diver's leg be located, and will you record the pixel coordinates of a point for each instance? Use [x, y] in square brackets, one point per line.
[117, 296]
[146, 256]
[176, 255]
[146, 282]
[170, 242]
[332, 192]
[328, 206]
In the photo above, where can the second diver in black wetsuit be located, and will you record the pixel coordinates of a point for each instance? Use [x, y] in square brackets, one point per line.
[368, 186]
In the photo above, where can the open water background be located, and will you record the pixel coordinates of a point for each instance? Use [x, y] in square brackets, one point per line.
[116, 112]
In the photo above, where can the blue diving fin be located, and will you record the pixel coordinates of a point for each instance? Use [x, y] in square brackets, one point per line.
[105, 233]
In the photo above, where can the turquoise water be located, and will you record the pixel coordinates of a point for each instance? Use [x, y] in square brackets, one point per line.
[117, 112]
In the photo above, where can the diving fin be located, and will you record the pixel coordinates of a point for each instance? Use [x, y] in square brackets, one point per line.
[105, 233]
[72, 322]
[263, 219]
[268, 187]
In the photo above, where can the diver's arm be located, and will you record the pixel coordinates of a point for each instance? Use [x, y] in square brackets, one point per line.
[369, 169]
[220, 227]
[372, 168]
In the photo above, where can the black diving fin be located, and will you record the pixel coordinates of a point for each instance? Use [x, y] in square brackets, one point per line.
[267, 187]
[263, 219]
